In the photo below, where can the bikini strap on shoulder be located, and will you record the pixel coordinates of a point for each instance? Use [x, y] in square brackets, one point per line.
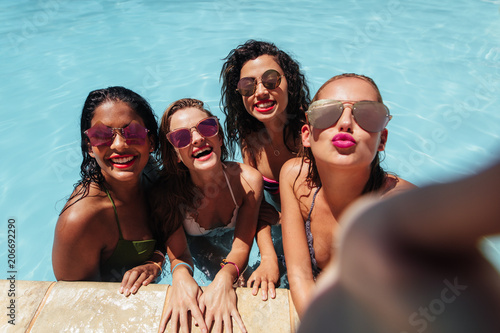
[116, 213]
[229, 186]
[312, 203]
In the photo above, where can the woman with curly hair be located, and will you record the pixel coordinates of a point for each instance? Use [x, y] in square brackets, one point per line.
[264, 97]
[344, 134]
[103, 231]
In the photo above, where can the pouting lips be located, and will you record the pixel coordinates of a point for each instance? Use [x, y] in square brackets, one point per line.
[202, 152]
[343, 140]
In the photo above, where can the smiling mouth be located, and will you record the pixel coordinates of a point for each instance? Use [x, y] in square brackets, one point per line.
[202, 152]
[122, 160]
[265, 106]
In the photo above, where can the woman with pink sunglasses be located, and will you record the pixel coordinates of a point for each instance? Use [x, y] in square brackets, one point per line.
[344, 134]
[102, 232]
[209, 197]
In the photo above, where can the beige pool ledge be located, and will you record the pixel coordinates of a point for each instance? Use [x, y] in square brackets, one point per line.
[44, 306]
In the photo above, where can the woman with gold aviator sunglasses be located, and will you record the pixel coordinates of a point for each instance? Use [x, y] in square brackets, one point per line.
[342, 140]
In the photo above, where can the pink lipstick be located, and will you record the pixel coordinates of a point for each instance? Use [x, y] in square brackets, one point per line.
[343, 140]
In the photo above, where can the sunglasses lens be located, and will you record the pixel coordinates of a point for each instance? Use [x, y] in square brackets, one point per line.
[322, 115]
[100, 135]
[208, 127]
[135, 134]
[371, 116]
[179, 138]
[246, 86]
[271, 79]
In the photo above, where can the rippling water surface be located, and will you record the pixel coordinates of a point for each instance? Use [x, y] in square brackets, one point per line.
[437, 65]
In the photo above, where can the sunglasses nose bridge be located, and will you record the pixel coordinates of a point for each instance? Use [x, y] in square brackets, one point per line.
[118, 139]
[259, 87]
[195, 134]
[346, 116]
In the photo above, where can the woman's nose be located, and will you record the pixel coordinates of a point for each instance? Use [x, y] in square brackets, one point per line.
[196, 137]
[346, 119]
[118, 141]
[260, 90]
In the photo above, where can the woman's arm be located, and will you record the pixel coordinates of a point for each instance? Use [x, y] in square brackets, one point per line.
[267, 274]
[219, 298]
[78, 243]
[298, 260]
[400, 256]
[184, 292]
[427, 215]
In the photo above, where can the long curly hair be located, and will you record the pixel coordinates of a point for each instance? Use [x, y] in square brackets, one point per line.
[90, 171]
[239, 123]
[377, 174]
[174, 194]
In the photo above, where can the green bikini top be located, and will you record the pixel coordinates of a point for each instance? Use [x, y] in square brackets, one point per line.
[127, 254]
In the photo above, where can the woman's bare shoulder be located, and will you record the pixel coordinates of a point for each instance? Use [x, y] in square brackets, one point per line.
[395, 185]
[292, 168]
[83, 212]
[249, 174]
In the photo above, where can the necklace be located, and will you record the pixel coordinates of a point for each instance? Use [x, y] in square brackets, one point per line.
[276, 151]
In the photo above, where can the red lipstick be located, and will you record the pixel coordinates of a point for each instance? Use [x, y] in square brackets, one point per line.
[264, 106]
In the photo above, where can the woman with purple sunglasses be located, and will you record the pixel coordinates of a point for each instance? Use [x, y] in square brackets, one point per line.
[208, 197]
[102, 232]
[344, 134]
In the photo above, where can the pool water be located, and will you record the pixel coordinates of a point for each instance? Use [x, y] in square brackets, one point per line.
[437, 65]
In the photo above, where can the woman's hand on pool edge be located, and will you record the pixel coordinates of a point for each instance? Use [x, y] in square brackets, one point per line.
[266, 277]
[218, 303]
[139, 276]
[183, 298]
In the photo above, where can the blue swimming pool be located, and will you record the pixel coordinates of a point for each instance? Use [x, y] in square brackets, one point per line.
[437, 65]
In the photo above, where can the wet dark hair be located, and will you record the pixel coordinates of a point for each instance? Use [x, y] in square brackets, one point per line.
[174, 193]
[239, 123]
[377, 174]
[90, 171]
